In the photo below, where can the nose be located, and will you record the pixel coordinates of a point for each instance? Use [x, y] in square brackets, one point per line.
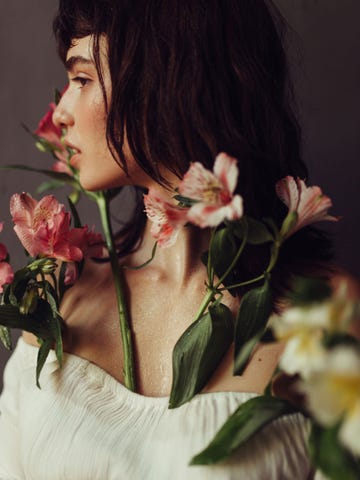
[62, 117]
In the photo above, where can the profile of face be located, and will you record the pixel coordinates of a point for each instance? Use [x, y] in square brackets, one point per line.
[82, 113]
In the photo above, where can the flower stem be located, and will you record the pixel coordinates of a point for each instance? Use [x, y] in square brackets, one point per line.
[126, 333]
[210, 294]
[236, 258]
[214, 289]
[243, 284]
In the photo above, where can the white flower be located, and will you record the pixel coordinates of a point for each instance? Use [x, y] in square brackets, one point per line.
[333, 393]
[303, 354]
[303, 329]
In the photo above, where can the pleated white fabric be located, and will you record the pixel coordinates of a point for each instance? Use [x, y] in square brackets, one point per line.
[84, 425]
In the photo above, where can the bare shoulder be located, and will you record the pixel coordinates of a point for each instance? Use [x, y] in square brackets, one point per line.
[30, 339]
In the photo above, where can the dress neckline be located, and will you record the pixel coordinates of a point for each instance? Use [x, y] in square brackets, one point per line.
[101, 378]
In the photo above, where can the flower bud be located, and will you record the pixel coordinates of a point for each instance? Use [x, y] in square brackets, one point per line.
[29, 301]
[45, 265]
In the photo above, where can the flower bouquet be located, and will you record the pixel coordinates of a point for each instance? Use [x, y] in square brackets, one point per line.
[320, 354]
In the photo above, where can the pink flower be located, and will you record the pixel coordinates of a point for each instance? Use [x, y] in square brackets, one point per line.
[71, 273]
[3, 249]
[309, 203]
[213, 192]
[44, 228]
[167, 219]
[90, 243]
[6, 272]
[6, 275]
[52, 134]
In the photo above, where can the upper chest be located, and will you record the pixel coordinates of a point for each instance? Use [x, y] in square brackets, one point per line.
[160, 312]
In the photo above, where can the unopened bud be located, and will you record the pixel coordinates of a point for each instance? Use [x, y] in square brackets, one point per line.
[29, 301]
[40, 146]
[46, 265]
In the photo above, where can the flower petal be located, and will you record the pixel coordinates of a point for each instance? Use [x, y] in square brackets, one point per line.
[22, 208]
[204, 215]
[349, 430]
[6, 275]
[71, 273]
[3, 252]
[167, 219]
[287, 191]
[310, 204]
[226, 170]
[198, 183]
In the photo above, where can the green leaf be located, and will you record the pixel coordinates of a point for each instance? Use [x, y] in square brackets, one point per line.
[255, 310]
[60, 176]
[5, 337]
[185, 201]
[55, 321]
[35, 323]
[330, 456]
[244, 353]
[49, 185]
[18, 286]
[41, 358]
[75, 196]
[74, 213]
[198, 352]
[257, 232]
[223, 251]
[247, 420]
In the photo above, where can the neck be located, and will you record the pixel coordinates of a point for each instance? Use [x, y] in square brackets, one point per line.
[178, 262]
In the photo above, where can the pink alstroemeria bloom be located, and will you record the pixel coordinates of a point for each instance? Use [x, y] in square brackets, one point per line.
[52, 134]
[6, 272]
[3, 249]
[6, 275]
[71, 273]
[92, 244]
[43, 228]
[213, 192]
[310, 204]
[167, 219]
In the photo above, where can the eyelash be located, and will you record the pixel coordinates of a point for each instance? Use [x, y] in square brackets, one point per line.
[81, 80]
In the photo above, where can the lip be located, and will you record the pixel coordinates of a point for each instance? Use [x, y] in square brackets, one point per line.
[74, 160]
[75, 157]
[72, 146]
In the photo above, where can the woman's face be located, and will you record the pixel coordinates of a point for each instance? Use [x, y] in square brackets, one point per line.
[81, 111]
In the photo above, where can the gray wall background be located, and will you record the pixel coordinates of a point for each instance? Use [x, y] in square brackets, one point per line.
[324, 50]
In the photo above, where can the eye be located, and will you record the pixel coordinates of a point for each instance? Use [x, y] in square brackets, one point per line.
[82, 81]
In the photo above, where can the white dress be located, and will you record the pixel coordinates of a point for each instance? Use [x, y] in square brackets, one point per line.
[84, 425]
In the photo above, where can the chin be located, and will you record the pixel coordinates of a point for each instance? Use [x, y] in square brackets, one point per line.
[96, 183]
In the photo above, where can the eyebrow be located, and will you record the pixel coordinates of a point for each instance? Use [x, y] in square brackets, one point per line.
[71, 62]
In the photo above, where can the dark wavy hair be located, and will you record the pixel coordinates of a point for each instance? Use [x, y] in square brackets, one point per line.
[191, 78]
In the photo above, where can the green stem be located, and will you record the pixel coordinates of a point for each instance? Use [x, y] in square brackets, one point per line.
[126, 334]
[210, 270]
[243, 284]
[236, 258]
[274, 255]
[210, 294]
[213, 290]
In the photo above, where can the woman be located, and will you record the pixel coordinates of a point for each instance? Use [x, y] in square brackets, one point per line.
[154, 86]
